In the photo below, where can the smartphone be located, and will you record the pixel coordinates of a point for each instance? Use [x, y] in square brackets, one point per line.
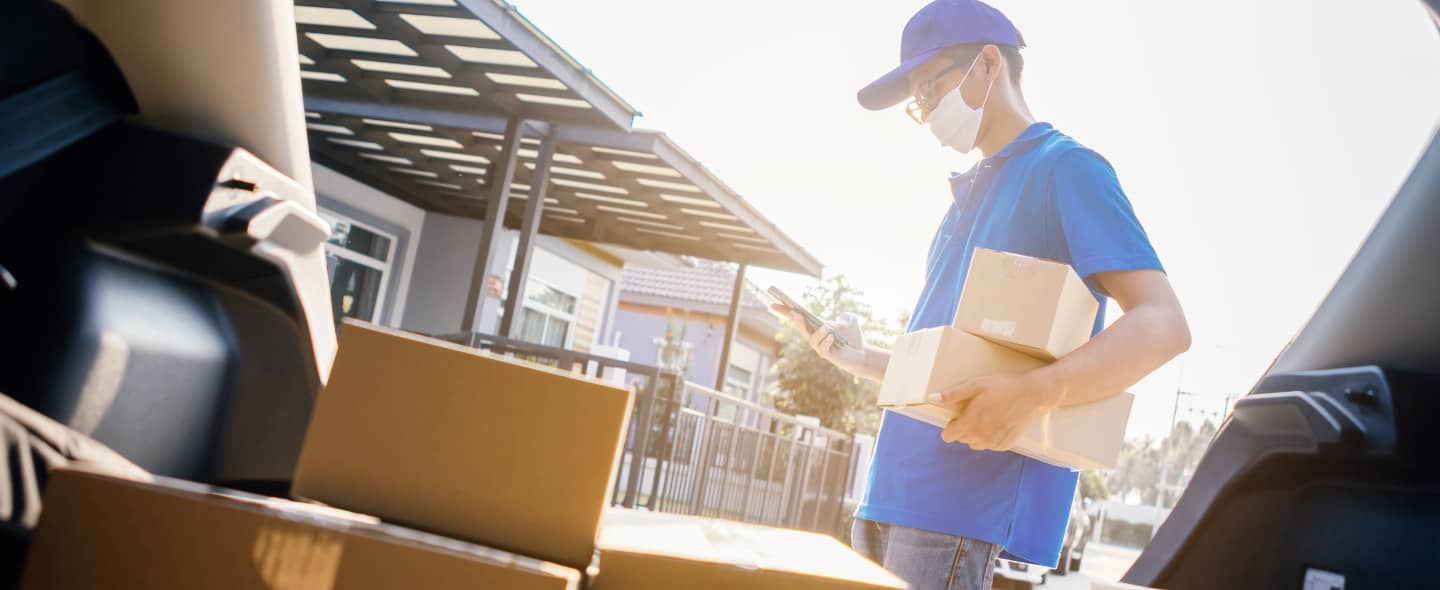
[812, 321]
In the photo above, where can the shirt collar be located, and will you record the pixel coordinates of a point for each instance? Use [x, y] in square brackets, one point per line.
[1027, 139]
[1032, 134]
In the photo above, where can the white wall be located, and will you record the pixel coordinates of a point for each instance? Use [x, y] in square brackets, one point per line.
[352, 198]
[606, 326]
[444, 262]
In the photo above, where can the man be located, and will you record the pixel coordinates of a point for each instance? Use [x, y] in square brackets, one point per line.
[943, 504]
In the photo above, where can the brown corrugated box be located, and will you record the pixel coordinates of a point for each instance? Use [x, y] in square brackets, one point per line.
[99, 531]
[935, 359]
[1039, 307]
[1108, 585]
[466, 444]
[1086, 436]
[648, 550]
[1083, 436]
[1015, 314]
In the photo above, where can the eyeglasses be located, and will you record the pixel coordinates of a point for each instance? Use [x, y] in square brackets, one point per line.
[925, 98]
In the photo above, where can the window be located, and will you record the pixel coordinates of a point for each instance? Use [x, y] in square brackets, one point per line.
[563, 302]
[547, 316]
[740, 375]
[738, 381]
[357, 258]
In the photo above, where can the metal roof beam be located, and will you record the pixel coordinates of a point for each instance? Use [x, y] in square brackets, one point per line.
[732, 325]
[502, 18]
[406, 113]
[495, 206]
[525, 246]
[638, 140]
[732, 203]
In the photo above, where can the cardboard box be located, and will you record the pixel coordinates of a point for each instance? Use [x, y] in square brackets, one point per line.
[1039, 307]
[1108, 585]
[1086, 436]
[931, 360]
[99, 531]
[467, 444]
[649, 550]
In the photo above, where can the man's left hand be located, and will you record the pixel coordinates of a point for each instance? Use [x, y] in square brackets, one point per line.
[994, 411]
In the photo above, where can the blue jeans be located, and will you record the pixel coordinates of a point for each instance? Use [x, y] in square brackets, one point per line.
[926, 559]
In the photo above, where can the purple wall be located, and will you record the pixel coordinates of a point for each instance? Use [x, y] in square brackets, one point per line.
[638, 332]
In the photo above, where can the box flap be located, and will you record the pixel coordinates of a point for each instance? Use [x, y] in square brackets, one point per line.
[740, 546]
[467, 444]
[169, 533]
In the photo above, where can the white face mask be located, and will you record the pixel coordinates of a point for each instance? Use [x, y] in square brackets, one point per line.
[954, 122]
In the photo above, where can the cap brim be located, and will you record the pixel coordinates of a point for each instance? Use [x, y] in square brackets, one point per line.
[894, 87]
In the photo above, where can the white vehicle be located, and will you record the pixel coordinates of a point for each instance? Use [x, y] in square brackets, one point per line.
[1017, 575]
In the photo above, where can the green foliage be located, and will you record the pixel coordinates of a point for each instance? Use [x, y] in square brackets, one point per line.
[1144, 461]
[1092, 486]
[810, 385]
[672, 350]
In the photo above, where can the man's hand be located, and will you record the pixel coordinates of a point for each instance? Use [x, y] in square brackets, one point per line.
[994, 411]
[849, 356]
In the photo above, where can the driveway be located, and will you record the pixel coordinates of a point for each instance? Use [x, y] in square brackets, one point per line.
[1102, 562]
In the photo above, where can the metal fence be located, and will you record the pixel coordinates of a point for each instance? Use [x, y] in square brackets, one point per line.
[711, 454]
[694, 450]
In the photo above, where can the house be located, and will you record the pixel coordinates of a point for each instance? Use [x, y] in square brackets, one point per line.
[693, 296]
[396, 264]
[479, 180]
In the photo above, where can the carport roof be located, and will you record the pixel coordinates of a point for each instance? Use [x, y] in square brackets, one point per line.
[413, 96]
[473, 55]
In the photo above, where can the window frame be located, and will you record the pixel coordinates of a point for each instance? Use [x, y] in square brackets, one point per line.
[383, 266]
[570, 318]
[732, 381]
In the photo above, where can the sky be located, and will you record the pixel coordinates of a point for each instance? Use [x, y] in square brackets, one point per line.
[1257, 141]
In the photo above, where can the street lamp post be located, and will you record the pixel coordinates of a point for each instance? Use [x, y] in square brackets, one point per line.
[1165, 460]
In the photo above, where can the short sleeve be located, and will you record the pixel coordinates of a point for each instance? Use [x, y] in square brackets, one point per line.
[1099, 226]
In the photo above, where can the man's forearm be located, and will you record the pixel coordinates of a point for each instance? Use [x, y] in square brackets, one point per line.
[873, 368]
[1138, 343]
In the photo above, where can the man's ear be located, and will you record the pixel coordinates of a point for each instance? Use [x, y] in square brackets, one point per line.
[992, 60]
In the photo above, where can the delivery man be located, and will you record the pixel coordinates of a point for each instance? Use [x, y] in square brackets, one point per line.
[943, 504]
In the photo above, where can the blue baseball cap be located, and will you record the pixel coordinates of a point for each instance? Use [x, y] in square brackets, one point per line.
[939, 25]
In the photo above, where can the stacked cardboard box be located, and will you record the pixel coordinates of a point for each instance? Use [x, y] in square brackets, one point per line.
[1038, 307]
[475, 449]
[1107, 585]
[100, 531]
[467, 444]
[1015, 314]
[521, 457]
[647, 550]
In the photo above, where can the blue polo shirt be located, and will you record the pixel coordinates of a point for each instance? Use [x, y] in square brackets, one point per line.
[1047, 196]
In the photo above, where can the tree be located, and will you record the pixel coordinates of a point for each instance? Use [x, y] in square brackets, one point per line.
[1092, 486]
[1138, 469]
[808, 384]
[1143, 461]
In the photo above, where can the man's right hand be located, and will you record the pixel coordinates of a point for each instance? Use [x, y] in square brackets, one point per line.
[850, 356]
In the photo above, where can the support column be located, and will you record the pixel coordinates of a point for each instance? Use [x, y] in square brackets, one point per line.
[529, 227]
[732, 326]
[497, 201]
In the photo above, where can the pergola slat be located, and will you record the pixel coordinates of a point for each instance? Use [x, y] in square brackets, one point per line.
[498, 68]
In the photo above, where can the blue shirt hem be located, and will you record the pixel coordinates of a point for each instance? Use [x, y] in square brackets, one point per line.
[924, 521]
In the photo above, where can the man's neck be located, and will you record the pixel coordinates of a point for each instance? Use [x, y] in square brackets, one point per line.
[1004, 125]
